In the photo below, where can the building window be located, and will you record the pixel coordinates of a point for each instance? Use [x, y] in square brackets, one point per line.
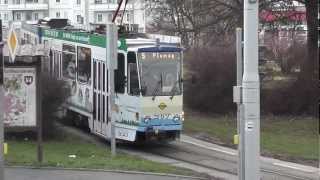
[28, 16]
[17, 1]
[6, 16]
[57, 14]
[99, 17]
[110, 16]
[57, 1]
[78, 1]
[36, 16]
[5, 1]
[128, 17]
[98, 1]
[79, 19]
[18, 16]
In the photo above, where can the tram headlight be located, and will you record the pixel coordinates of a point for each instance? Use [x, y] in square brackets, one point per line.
[182, 116]
[176, 117]
[146, 119]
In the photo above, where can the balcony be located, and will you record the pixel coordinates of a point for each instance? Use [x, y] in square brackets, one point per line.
[103, 7]
[28, 6]
[107, 7]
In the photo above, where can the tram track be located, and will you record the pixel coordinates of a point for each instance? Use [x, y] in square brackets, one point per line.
[280, 175]
[189, 155]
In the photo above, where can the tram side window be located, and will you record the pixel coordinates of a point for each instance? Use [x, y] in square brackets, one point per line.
[69, 62]
[133, 75]
[84, 65]
[119, 75]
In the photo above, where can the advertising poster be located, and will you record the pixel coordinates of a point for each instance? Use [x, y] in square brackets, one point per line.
[20, 97]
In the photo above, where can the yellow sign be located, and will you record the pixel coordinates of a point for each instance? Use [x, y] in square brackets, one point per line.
[5, 148]
[236, 139]
[162, 106]
[13, 43]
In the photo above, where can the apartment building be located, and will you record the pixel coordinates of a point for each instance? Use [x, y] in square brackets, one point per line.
[22, 10]
[85, 14]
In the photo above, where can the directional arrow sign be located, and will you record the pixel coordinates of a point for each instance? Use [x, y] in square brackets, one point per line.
[13, 44]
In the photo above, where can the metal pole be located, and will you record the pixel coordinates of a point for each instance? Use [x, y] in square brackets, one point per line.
[251, 91]
[240, 124]
[112, 56]
[39, 111]
[1, 105]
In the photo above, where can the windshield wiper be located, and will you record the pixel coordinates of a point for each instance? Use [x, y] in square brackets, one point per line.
[173, 90]
[159, 84]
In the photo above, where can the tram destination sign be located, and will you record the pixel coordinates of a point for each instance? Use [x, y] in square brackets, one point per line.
[156, 56]
[20, 97]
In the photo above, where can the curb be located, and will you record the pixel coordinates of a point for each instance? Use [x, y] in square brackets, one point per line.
[106, 170]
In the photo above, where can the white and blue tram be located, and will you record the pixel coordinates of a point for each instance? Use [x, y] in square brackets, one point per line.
[148, 81]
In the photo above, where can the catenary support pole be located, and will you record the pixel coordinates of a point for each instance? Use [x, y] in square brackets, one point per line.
[1, 106]
[112, 57]
[240, 123]
[251, 92]
[39, 111]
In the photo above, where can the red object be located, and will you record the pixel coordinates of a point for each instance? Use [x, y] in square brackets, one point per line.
[271, 16]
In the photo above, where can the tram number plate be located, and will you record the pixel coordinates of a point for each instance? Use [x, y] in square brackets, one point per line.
[125, 134]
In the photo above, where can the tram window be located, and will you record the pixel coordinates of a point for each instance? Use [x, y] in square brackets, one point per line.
[94, 74]
[133, 74]
[69, 62]
[84, 65]
[103, 108]
[56, 64]
[119, 75]
[103, 77]
[99, 76]
[99, 105]
[94, 105]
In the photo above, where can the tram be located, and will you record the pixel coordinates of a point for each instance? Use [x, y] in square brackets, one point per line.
[148, 81]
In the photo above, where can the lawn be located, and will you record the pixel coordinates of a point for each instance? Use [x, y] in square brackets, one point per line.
[290, 138]
[72, 152]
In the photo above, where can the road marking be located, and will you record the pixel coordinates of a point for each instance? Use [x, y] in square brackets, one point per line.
[294, 167]
[209, 148]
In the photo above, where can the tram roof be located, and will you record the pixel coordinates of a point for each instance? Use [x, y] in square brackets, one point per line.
[99, 40]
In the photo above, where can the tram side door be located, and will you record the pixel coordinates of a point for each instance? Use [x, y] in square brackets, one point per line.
[55, 64]
[100, 97]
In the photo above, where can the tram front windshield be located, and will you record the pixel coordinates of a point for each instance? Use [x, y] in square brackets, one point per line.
[160, 73]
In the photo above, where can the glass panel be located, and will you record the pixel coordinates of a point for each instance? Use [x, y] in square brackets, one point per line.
[84, 65]
[134, 80]
[160, 73]
[69, 62]
[119, 75]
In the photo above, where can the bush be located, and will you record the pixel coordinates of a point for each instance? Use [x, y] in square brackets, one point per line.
[54, 94]
[299, 98]
[210, 77]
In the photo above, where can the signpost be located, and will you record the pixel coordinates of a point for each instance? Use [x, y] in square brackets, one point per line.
[112, 58]
[13, 44]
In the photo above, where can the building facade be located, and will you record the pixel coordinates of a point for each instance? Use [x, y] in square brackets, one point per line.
[85, 14]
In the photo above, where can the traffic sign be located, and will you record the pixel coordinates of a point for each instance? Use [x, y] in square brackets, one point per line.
[13, 43]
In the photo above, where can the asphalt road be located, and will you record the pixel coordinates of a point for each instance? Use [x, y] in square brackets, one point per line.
[45, 174]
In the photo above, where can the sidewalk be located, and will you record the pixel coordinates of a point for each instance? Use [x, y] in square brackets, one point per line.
[48, 174]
